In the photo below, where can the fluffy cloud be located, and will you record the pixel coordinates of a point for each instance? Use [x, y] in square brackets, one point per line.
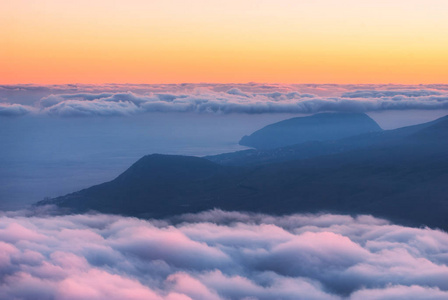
[250, 98]
[232, 101]
[219, 255]
[13, 110]
[389, 93]
[74, 108]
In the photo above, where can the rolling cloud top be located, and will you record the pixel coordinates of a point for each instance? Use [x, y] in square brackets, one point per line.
[125, 100]
[219, 255]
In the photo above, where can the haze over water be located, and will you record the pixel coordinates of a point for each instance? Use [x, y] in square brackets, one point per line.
[48, 157]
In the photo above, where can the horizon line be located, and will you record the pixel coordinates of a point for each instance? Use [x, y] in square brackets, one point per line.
[217, 83]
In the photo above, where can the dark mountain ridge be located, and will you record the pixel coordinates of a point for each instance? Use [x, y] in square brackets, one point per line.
[402, 177]
[318, 148]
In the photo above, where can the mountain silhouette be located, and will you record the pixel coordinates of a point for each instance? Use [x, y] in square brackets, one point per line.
[402, 176]
[318, 148]
[319, 127]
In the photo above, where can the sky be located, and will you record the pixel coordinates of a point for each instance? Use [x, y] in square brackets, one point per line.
[174, 41]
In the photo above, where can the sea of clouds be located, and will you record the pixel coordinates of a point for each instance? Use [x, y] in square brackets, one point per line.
[251, 98]
[219, 255]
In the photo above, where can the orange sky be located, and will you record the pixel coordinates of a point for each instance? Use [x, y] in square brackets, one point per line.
[172, 41]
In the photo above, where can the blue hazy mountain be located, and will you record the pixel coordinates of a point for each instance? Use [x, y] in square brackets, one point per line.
[402, 176]
[316, 148]
[319, 127]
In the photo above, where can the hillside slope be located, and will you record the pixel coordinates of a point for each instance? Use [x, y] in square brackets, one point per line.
[404, 180]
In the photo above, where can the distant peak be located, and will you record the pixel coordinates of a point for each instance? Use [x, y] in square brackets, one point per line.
[318, 127]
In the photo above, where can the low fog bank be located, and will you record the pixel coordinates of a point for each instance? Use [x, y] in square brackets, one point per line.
[232, 101]
[219, 255]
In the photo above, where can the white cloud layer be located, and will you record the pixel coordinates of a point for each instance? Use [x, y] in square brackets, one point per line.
[219, 255]
[12, 110]
[388, 93]
[123, 100]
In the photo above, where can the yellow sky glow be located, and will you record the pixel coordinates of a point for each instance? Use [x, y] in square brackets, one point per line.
[172, 41]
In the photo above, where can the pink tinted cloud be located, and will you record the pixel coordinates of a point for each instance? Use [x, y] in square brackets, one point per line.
[219, 255]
